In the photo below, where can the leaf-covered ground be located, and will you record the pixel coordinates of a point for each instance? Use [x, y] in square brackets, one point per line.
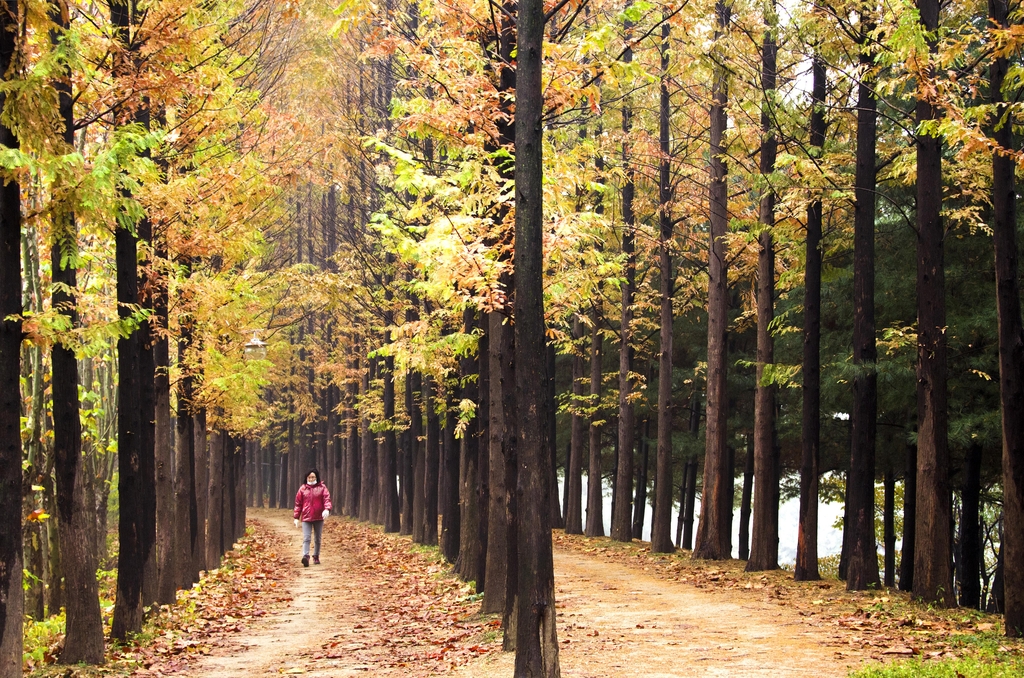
[381, 606]
[882, 625]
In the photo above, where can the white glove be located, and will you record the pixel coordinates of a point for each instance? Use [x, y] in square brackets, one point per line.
[325, 514]
[296, 522]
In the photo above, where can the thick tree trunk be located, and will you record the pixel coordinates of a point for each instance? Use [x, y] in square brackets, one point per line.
[536, 639]
[353, 467]
[640, 498]
[1011, 343]
[574, 468]
[806, 568]
[661, 523]
[933, 571]
[859, 534]
[909, 520]
[502, 391]
[622, 490]
[764, 547]
[12, 599]
[971, 545]
[368, 455]
[595, 492]
[889, 527]
[406, 490]
[483, 451]
[84, 625]
[201, 471]
[432, 462]
[712, 536]
[469, 475]
[214, 504]
[165, 548]
[389, 467]
[449, 503]
[745, 497]
[418, 461]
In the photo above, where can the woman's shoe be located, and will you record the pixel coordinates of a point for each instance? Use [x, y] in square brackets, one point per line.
[305, 561]
[316, 560]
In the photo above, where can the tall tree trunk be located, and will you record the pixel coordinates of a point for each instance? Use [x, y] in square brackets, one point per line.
[406, 463]
[712, 537]
[201, 474]
[661, 523]
[214, 505]
[1011, 341]
[687, 510]
[449, 503]
[432, 462]
[574, 467]
[469, 475]
[640, 498]
[502, 389]
[84, 625]
[889, 527]
[764, 547]
[909, 521]
[806, 568]
[353, 467]
[622, 510]
[418, 461]
[859, 534]
[186, 508]
[595, 493]
[748, 487]
[933, 571]
[536, 639]
[164, 508]
[389, 468]
[11, 594]
[368, 481]
[971, 545]
[550, 430]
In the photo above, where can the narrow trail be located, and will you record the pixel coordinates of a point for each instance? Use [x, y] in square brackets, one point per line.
[614, 620]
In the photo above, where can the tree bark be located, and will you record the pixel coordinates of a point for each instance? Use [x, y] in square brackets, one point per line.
[450, 521]
[502, 389]
[748, 487]
[661, 523]
[432, 462]
[368, 467]
[536, 639]
[712, 537]
[595, 493]
[83, 639]
[909, 521]
[862, 562]
[215, 491]
[574, 469]
[1011, 342]
[200, 462]
[469, 477]
[12, 599]
[806, 568]
[933, 572]
[622, 510]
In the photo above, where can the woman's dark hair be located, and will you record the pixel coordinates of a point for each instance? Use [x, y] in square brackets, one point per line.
[314, 472]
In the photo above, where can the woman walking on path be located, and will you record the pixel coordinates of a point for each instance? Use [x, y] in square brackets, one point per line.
[312, 506]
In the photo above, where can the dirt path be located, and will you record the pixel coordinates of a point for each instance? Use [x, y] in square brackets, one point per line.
[617, 621]
[289, 637]
[614, 620]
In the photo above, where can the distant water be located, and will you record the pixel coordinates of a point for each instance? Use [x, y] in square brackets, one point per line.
[830, 540]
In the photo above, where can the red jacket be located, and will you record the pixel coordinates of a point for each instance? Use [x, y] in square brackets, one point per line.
[310, 502]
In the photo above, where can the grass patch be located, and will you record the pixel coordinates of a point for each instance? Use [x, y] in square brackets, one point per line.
[982, 655]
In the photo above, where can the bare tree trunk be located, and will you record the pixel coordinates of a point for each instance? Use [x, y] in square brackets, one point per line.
[574, 467]
[536, 638]
[806, 568]
[661, 524]
[861, 564]
[201, 470]
[764, 547]
[622, 510]
[595, 494]
[712, 537]
[432, 462]
[1011, 341]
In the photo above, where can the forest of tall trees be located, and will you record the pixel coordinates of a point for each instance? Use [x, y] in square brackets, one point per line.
[459, 256]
